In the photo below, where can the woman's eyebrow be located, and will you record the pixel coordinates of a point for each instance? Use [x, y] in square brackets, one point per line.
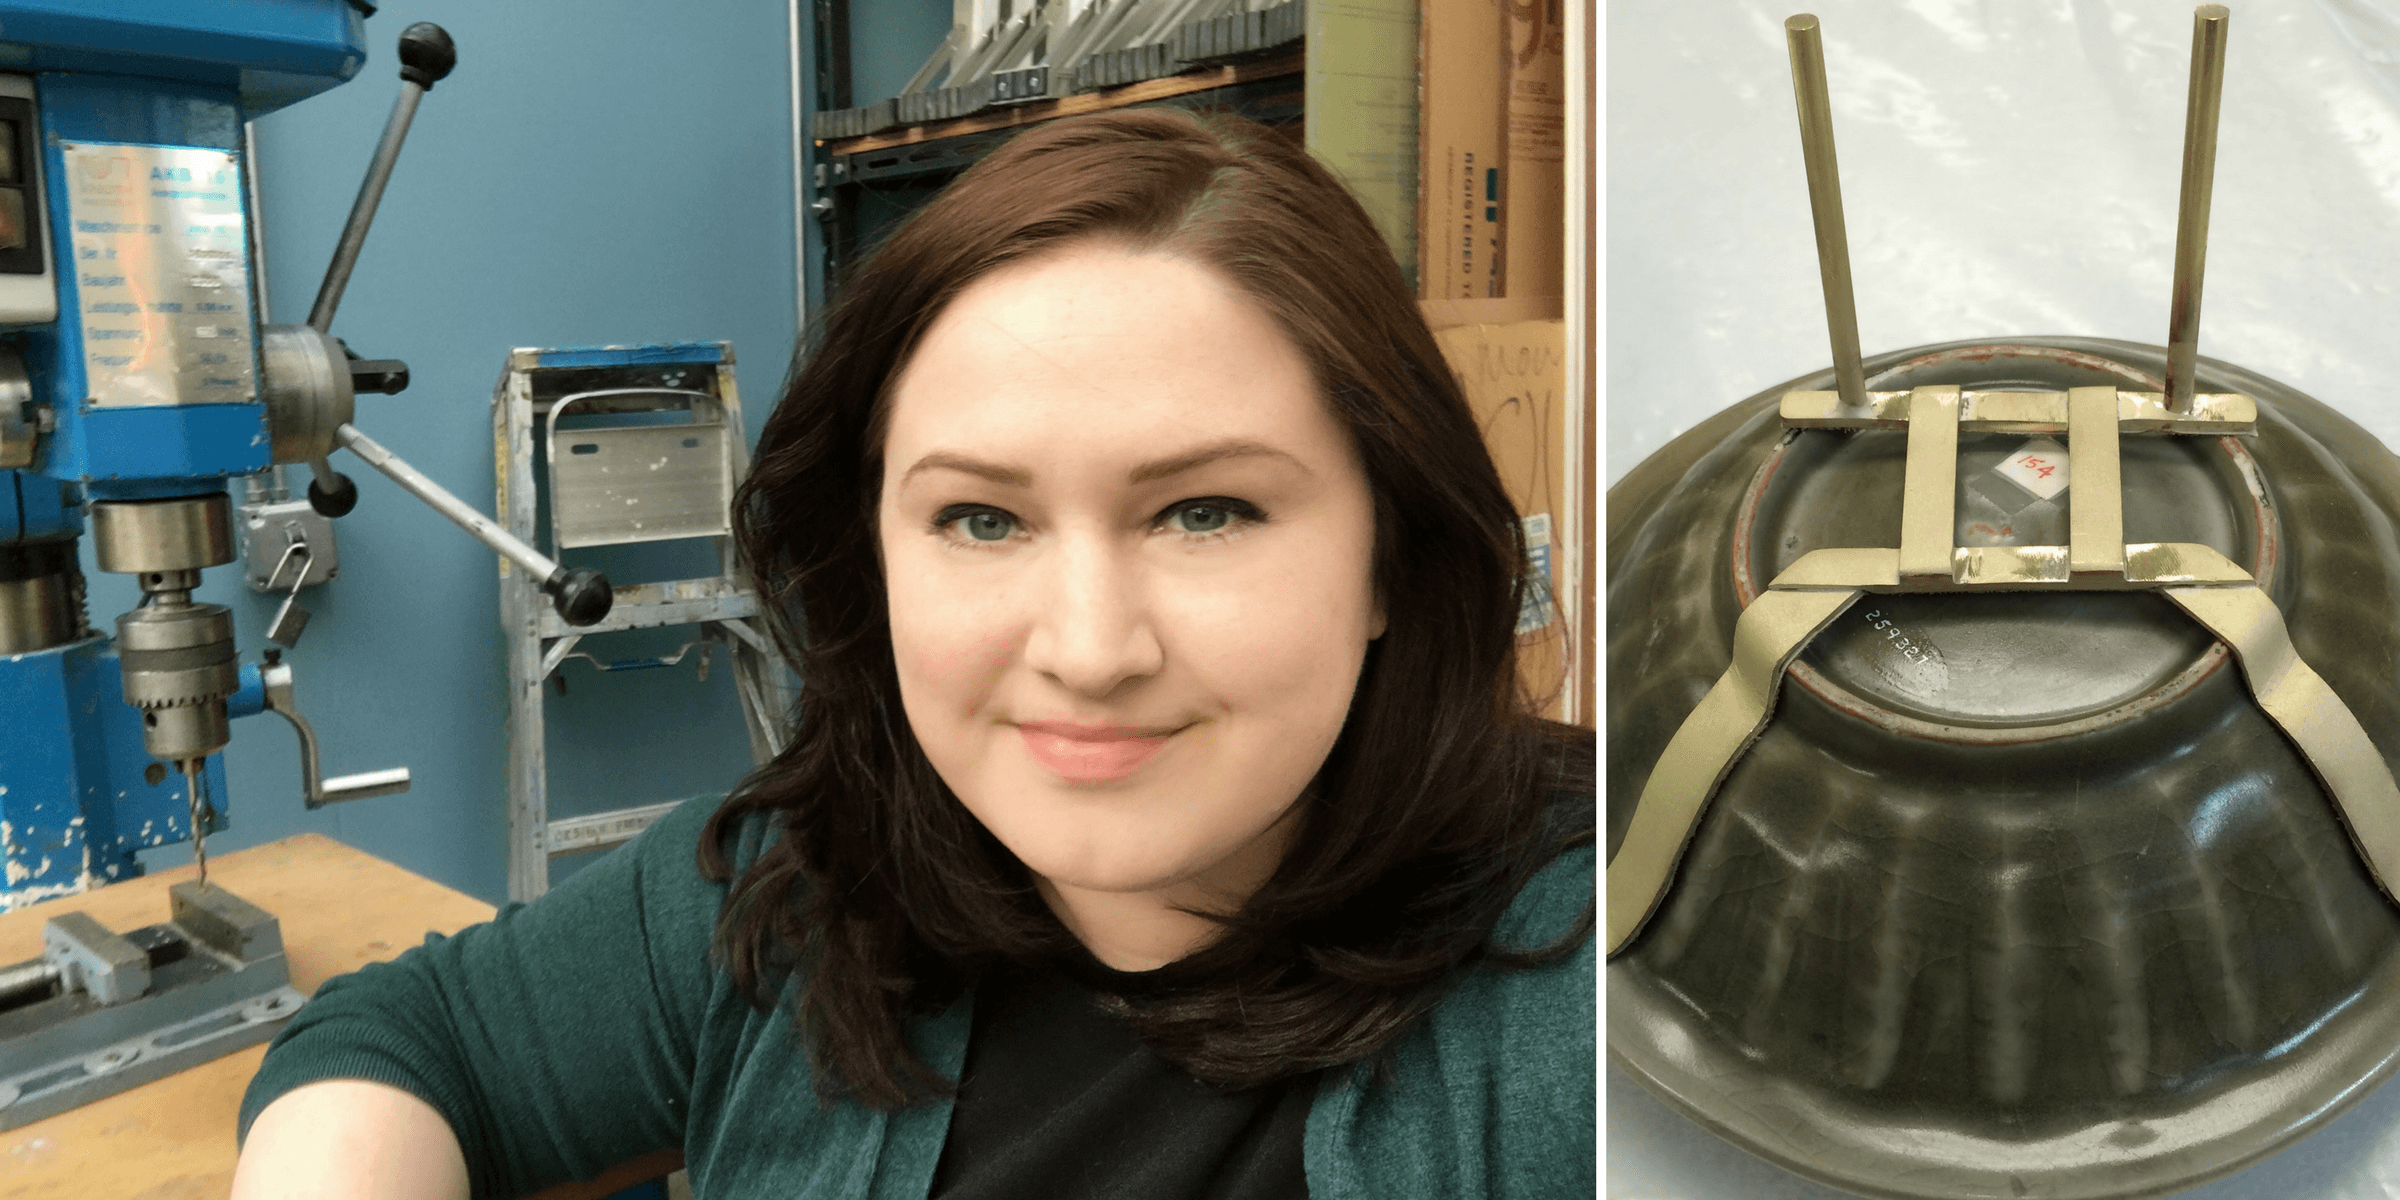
[1193, 459]
[944, 460]
[1204, 455]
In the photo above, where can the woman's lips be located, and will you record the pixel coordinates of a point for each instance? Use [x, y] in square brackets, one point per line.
[1091, 753]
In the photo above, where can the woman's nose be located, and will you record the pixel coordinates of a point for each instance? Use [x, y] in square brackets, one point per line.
[1095, 629]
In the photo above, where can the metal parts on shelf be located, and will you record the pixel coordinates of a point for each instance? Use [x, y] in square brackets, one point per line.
[859, 186]
[1000, 54]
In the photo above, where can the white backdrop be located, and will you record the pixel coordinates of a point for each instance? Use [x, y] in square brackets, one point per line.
[2008, 167]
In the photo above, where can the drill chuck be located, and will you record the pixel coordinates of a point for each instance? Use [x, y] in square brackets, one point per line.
[180, 664]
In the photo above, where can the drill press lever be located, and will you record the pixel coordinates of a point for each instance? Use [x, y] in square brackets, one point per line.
[581, 595]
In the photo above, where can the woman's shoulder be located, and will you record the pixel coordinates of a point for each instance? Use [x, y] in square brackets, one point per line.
[675, 838]
[1551, 917]
[661, 870]
[1562, 890]
[1504, 1064]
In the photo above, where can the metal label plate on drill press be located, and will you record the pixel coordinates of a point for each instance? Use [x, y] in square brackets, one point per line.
[161, 279]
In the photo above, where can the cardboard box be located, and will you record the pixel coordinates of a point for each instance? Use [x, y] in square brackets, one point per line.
[1462, 149]
[1361, 119]
[1515, 379]
[1536, 175]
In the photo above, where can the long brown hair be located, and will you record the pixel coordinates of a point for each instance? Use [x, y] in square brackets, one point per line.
[1427, 816]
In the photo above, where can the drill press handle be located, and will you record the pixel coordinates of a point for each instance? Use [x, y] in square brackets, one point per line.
[581, 595]
[314, 376]
[426, 57]
[275, 680]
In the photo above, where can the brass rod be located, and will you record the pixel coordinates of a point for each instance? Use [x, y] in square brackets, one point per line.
[1825, 203]
[2191, 214]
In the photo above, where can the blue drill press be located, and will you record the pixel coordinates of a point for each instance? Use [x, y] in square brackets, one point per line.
[136, 379]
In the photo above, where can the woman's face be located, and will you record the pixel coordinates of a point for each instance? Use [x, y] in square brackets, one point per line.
[1128, 551]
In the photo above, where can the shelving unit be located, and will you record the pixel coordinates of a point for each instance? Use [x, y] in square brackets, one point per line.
[1286, 67]
[866, 184]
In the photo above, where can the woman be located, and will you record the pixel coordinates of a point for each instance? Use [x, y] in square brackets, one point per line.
[1162, 816]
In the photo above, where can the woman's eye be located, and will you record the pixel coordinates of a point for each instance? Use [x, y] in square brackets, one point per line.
[1202, 518]
[980, 525]
[987, 526]
[1214, 515]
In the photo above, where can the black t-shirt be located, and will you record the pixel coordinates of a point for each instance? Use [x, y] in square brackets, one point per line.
[1059, 1100]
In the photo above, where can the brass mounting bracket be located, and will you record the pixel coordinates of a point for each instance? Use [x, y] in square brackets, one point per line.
[1812, 591]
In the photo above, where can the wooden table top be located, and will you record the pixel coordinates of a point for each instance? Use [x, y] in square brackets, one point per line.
[173, 1139]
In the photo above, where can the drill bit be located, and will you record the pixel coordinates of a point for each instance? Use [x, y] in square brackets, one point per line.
[196, 781]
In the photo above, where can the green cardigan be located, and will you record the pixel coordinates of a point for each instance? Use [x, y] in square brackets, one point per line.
[566, 1036]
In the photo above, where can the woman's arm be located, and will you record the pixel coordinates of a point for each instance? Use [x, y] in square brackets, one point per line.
[347, 1139]
[548, 1044]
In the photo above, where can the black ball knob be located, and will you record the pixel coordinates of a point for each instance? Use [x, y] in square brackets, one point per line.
[334, 503]
[426, 54]
[580, 594]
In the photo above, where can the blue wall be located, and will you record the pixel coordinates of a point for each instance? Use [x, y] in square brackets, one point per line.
[594, 171]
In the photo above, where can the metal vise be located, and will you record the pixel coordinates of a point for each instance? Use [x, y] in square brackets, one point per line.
[100, 1012]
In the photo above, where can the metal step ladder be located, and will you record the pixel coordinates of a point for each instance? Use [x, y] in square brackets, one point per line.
[616, 466]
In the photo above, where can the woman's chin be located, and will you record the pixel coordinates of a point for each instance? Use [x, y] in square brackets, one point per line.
[1131, 876]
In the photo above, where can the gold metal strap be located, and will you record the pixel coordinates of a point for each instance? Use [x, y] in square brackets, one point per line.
[1929, 496]
[1811, 592]
[2327, 733]
[1705, 746]
[2148, 567]
[2096, 517]
[2025, 412]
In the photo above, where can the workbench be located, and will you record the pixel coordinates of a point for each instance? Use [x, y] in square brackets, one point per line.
[174, 1139]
